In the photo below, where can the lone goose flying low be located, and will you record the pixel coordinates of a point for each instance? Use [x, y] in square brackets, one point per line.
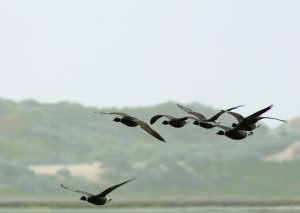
[99, 199]
[174, 122]
[249, 123]
[202, 120]
[133, 122]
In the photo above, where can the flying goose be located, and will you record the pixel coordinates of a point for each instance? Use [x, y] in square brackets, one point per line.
[174, 122]
[133, 122]
[99, 199]
[202, 120]
[249, 123]
[233, 133]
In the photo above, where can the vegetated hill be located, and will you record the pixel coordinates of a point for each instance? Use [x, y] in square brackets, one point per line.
[287, 136]
[194, 161]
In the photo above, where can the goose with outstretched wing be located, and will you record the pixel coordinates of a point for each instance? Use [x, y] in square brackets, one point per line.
[249, 123]
[204, 122]
[99, 199]
[133, 122]
[172, 121]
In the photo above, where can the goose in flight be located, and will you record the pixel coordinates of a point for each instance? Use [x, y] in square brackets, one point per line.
[249, 123]
[174, 122]
[99, 199]
[133, 122]
[241, 129]
[233, 133]
[202, 120]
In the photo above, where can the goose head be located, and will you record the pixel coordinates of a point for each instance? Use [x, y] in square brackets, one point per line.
[234, 125]
[196, 123]
[221, 132]
[165, 122]
[117, 120]
[83, 198]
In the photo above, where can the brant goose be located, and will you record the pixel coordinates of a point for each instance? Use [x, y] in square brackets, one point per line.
[249, 123]
[233, 133]
[202, 120]
[174, 122]
[99, 199]
[133, 122]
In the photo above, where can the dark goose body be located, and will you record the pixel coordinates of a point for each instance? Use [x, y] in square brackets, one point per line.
[236, 134]
[207, 125]
[233, 133]
[97, 200]
[129, 121]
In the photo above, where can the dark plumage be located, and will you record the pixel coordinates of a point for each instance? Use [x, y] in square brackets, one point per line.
[249, 123]
[202, 120]
[174, 122]
[233, 133]
[133, 122]
[99, 199]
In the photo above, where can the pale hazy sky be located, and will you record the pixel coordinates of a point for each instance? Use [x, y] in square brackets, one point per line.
[132, 53]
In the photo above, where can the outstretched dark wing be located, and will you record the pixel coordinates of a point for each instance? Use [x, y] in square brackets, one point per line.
[238, 116]
[76, 190]
[156, 117]
[147, 128]
[187, 117]
[225, 128]
[187, 110]
[114, 113]
[110, 189]
[258, 113]
[216, 116]
[259, 118]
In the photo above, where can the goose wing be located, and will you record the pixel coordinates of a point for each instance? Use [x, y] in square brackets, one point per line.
[258, 113]
[76, 190]
[148, 129]
[232, 108]
[225, 128]
[156, 117]
[187, 117]
[187, 110]
[216, 116]
[238, 116]
[110, 189]
[259, 118]
[122, 114]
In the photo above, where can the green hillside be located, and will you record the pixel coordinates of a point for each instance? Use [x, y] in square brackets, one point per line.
[194, 162]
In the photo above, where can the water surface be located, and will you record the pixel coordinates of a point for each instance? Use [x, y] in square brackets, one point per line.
[281, 209]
